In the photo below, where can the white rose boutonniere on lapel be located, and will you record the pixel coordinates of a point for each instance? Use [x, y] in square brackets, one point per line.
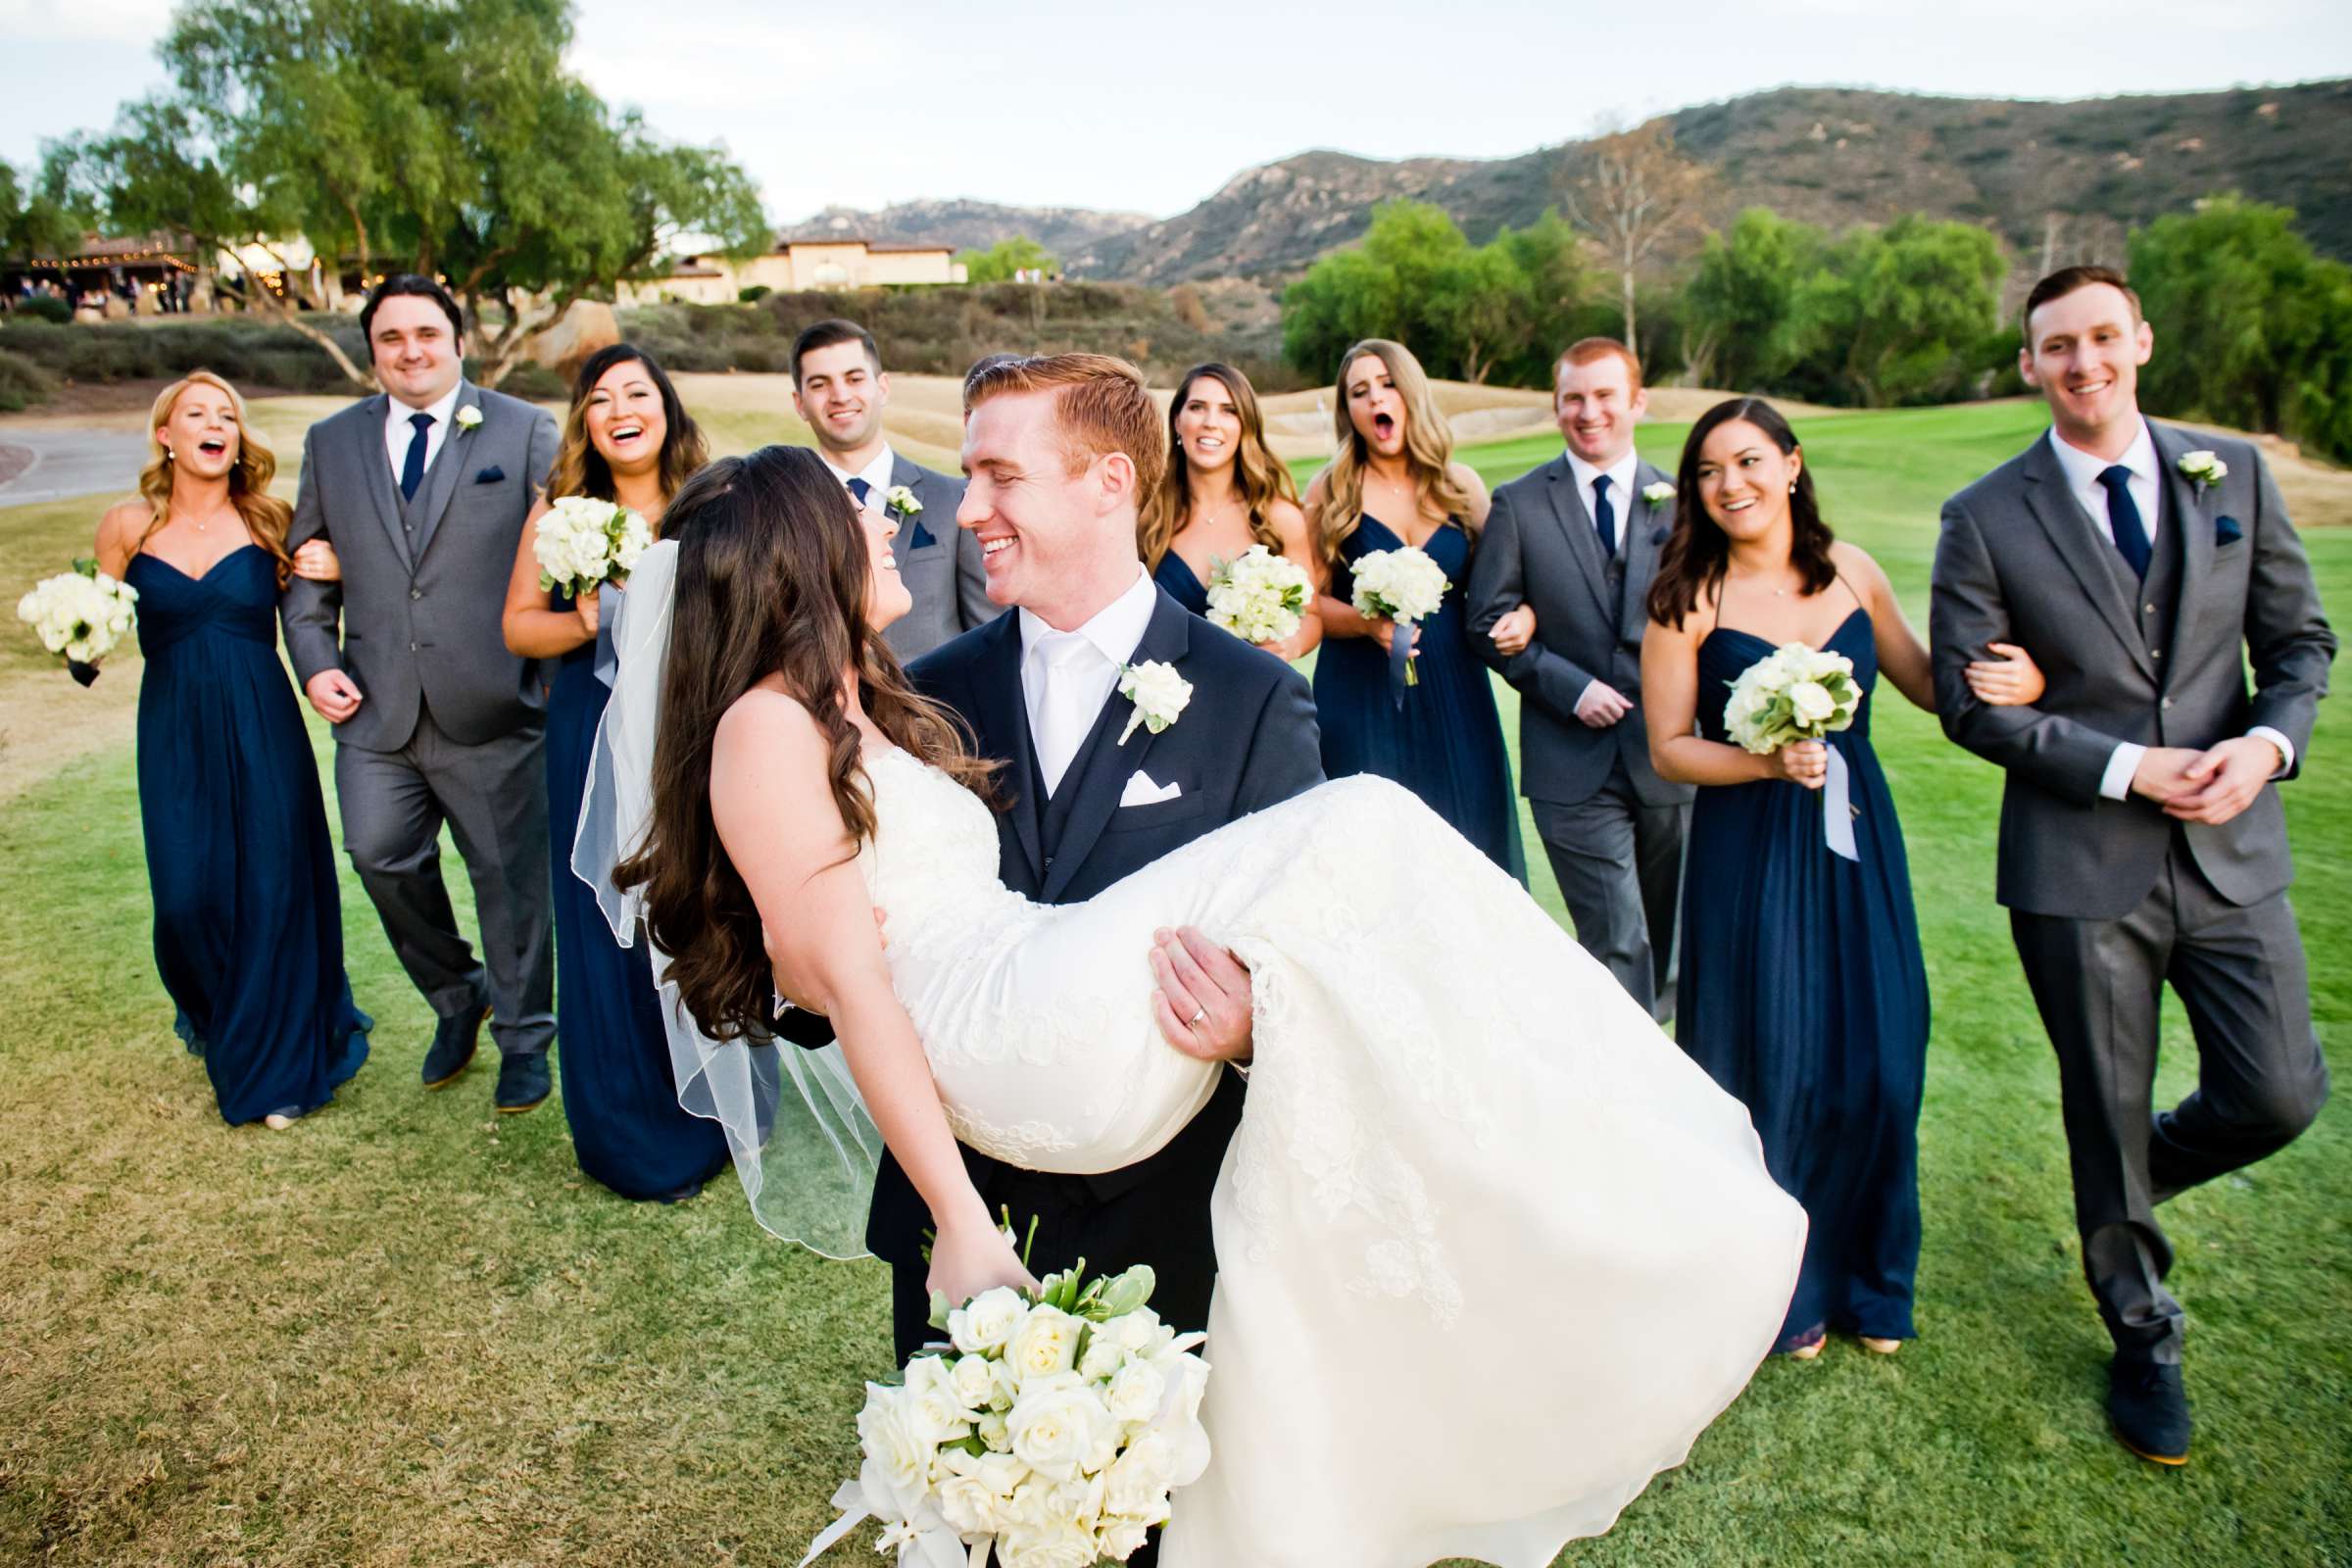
[1658, 494]
[470, 418]
[1158, 694]
[901, 501]
[2201, 469]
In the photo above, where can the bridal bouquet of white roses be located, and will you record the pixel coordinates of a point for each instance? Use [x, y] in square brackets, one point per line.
[1404, 585]
[1795, 693]
[1050, 1429]
[583, 542]
[1258, 595]
[80, 614]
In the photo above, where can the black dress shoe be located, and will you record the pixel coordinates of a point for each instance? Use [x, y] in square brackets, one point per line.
[2149, 1410]
[522, 1082]
[454, 1039]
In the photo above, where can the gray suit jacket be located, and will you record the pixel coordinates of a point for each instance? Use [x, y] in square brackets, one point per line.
[1539, 548]
[945, 575]
[424, 581]
[2021, 561]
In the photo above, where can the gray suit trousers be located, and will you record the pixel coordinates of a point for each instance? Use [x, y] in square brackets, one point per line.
[2239, 970]
[1619, 863]
[494, 797]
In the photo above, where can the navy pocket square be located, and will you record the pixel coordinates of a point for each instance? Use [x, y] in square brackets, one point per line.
[490, 475]
[921, 538]
[1659, 535]
[2226, 532]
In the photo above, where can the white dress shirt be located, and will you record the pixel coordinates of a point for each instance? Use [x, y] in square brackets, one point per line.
[1066, 676]
[1621, 494]
[399, 432]
[876, 473]
[2147, 486]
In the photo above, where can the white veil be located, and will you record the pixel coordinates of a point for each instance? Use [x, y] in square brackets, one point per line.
[805, 1154]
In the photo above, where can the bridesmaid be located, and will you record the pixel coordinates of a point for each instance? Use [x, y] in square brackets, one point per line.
[1802, 992]
[248, 915]
[1225, 491]
[626, 439]
[1393, 483]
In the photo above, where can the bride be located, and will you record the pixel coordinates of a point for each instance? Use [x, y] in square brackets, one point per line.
[1492, 1250]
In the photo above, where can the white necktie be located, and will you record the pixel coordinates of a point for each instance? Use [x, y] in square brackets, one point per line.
[1063, 718]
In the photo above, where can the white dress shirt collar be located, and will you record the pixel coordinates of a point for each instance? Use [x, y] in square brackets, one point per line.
[399, 432]
[2083, 469]
[876, 473]
[1115, 629]
[1621, 478]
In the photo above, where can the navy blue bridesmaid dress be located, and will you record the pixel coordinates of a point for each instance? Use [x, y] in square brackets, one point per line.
[1804, 995]
[1444, 743]
[1182, 583]
[248, 916]
[619, 1093]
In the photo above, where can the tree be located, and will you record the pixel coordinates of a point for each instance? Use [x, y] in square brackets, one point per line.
[445, 139]
[1907, 314]
[1740, 301]
[35, 220]
[1002, 261]
[2252, 328]
[1635, 192]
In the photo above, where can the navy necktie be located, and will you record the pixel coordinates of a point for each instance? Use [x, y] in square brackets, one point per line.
[2123, 520]
[411, 466]
[1604, 516]
[859, 490]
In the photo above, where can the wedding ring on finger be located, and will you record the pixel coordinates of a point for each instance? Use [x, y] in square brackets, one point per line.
[1197, 1017]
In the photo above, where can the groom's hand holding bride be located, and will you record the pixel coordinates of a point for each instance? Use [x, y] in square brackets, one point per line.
[1203, 1002]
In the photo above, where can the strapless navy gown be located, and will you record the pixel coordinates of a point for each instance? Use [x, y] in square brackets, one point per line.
[1183, 584]
[248, 916]
[1803, 994]
[619, 1094]
[1445, 742]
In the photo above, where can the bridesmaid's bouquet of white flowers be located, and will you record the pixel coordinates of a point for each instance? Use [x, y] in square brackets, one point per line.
[583, 542]
[1050, 1428]
[1404, 585]
[1258, 595]
[1795, 693]
[80, 614]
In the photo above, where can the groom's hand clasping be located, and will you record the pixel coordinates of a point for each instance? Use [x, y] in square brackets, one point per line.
[2224, 781]
[333, 694]
[1203, 1002]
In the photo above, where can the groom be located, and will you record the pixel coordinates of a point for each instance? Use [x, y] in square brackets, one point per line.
[2141, 839]
[1057, 453]
[423, 492]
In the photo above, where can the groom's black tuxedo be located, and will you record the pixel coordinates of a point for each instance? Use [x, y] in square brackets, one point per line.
[1246, 741]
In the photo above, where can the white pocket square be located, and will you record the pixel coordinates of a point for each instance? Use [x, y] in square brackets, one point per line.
[1141, 791]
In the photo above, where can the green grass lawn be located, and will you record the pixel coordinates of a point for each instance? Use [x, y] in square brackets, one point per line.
[408, 1333]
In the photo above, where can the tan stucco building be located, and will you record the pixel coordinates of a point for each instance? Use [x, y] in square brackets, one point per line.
[797, 264]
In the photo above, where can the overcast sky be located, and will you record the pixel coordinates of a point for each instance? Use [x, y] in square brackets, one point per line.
[1150, 111]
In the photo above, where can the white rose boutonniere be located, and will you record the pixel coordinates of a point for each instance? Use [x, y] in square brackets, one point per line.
[1158, 694]
[470, 418]
[1658, 494]
[2202, 468]
[901, 500]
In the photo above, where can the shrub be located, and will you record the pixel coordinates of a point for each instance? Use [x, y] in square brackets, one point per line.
[22, 383]
[45, 308]
[535, 382]
[247, 353]
[752, 293]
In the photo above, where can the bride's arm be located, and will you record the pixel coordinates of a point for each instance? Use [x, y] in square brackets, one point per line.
[774, 805]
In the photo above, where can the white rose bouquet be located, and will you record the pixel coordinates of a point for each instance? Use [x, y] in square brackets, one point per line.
[81, 615]
[1793, 694]
[1050, 1429]
[583, 543]
[1404, 585]
[1258, 595]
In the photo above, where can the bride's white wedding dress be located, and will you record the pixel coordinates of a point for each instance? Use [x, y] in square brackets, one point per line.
[1492, 1250]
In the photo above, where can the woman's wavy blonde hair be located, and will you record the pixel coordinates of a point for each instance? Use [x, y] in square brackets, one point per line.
[1262, 477]
[1428, 453]
[266, 515]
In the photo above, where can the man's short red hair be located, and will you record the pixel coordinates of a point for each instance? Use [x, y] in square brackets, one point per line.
[1587, 350]
[1100, 407]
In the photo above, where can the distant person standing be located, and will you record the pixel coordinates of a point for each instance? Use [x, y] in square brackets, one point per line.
[2142, 841]
[1575, 542]
[422, 491]
[839, 387]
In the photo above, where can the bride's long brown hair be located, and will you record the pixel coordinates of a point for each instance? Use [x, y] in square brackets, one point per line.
[771, 579]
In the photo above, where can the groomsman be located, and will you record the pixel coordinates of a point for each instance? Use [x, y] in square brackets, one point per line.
[1573, 545]
[423, 490]
[2141, 566]
[839, 386]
